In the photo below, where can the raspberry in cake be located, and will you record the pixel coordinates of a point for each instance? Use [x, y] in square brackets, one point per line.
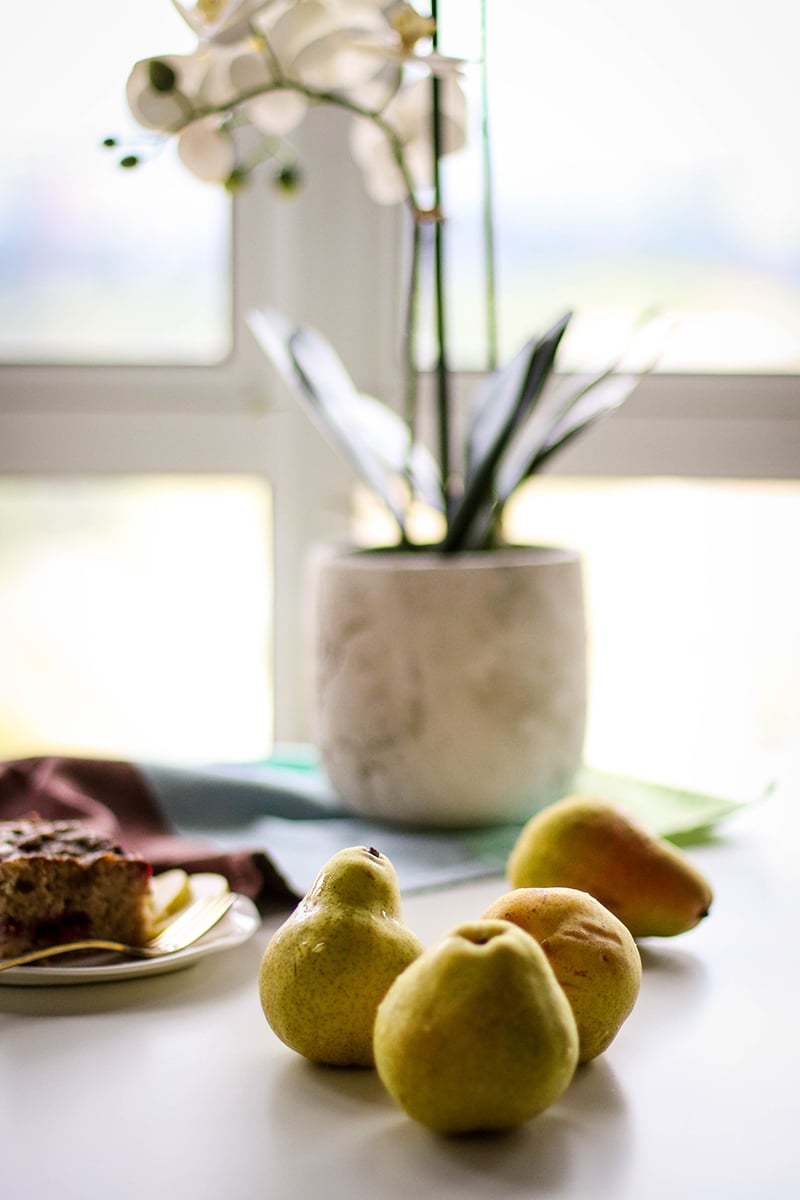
[60, 882]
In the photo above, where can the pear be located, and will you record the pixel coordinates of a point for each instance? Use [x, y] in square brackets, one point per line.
[170, 891]
[476, 1034]
[328, 966]
[588, 843]
[593, 956]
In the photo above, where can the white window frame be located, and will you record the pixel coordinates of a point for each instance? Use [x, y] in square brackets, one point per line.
[341, 271]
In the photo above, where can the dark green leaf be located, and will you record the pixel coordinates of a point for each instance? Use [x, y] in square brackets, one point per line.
[501, 410]
[508, 395]
[491, 405]
[570, 407]
[589, 407]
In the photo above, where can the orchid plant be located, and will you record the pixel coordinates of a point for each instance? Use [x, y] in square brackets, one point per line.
[232, 104]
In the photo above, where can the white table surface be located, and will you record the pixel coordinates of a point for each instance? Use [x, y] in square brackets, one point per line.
[174, 1086]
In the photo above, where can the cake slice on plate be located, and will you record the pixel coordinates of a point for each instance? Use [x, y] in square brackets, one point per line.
[60, 882]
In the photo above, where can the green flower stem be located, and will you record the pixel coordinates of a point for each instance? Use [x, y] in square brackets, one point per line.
[440, 314]
[411, 370]
[490, 260]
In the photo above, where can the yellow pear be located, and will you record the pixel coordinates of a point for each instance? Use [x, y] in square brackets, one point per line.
[593, 956]
[204, 884]
[328, 966]
[476, 1034]
[588, 843]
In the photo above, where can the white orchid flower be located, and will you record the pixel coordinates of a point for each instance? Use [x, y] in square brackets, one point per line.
[315, 42]
[311, 44]
[409, 115]
[221, 20]
[273, 111]
[202, 80]
[207, 150]
[267, 61]
[158, 107]
[397, 44]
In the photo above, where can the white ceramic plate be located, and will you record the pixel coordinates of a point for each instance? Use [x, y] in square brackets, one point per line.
[237, 926]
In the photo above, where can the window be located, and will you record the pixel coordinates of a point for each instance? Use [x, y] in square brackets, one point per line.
[643, 156]
[147, 399]
[99, 264]
[131, 611]
[692, 589]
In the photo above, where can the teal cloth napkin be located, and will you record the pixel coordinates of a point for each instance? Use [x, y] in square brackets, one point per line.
[287, 806]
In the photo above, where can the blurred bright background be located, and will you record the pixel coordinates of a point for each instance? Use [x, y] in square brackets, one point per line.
[135, 615]
[100, 264]
[644, 156]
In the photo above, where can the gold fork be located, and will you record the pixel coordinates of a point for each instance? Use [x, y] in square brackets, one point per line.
[188, 926]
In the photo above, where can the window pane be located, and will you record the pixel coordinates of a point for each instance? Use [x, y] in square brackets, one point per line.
[97, 263]
[644, 155]
[693, 590]
[135, 618]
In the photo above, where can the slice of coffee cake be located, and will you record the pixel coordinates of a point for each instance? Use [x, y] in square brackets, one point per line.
[60, 882]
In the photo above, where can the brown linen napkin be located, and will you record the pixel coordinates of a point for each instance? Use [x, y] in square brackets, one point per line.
[114, 799]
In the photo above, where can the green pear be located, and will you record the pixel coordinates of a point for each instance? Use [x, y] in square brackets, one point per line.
[328, 966]
[588, 843]
[476, 1034]
[593, 956]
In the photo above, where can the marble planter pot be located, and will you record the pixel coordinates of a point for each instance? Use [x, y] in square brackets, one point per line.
[448, 691]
